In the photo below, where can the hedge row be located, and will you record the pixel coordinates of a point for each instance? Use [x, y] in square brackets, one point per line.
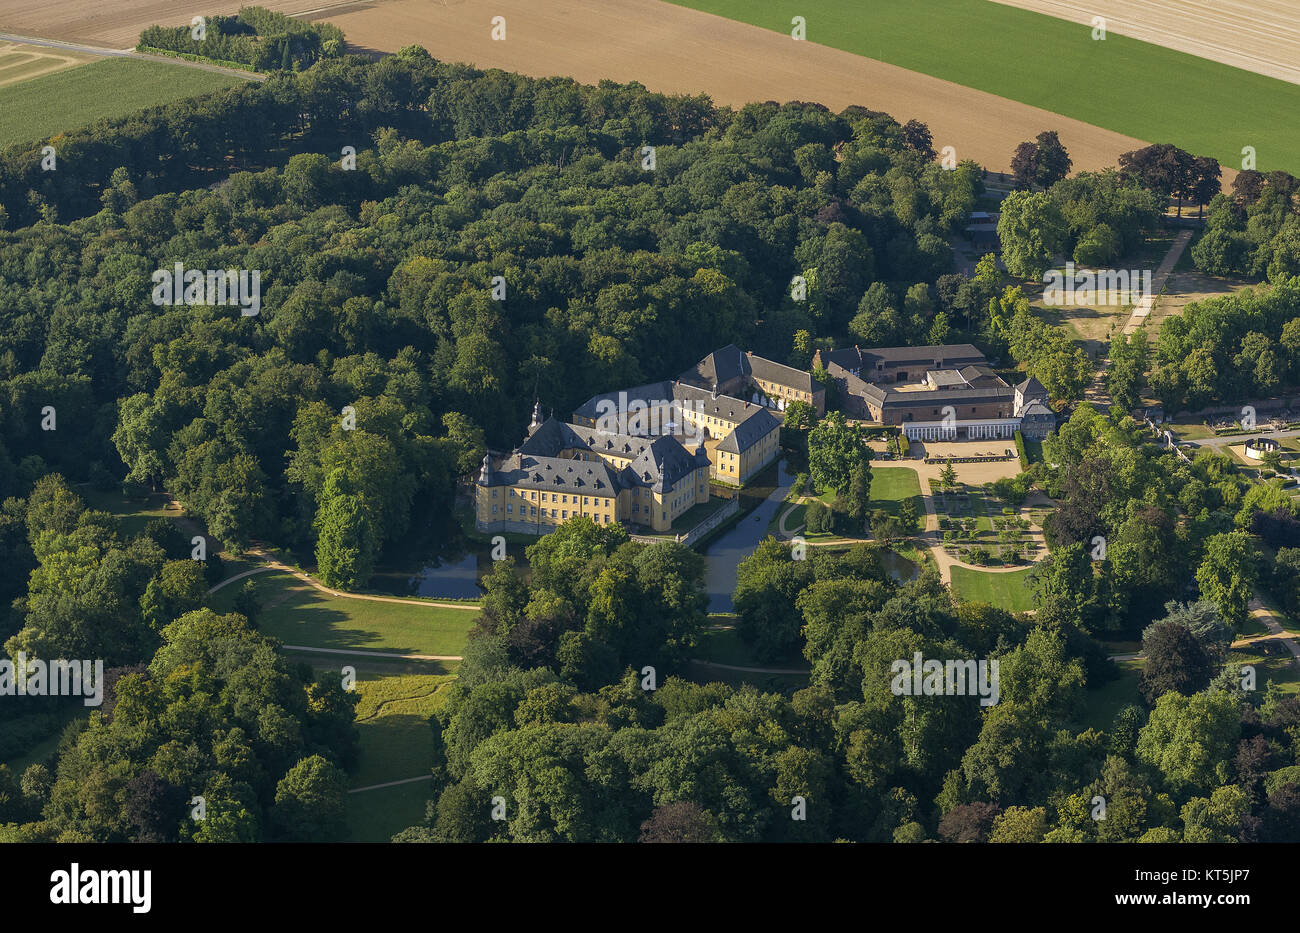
[1020, 449]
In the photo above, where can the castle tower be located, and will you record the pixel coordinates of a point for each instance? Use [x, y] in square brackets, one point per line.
[537, 417]
[485, 471]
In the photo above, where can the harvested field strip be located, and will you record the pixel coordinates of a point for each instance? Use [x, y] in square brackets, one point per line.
[1121, 84]
[25, 71]
[1258, 35]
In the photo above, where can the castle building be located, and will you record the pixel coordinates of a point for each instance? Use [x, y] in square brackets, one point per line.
[645, 455]
[743, 374]
[937, 393]
[562, 471]
[740, 438]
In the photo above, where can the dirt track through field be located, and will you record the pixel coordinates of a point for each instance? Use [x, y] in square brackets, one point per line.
[1258, 35]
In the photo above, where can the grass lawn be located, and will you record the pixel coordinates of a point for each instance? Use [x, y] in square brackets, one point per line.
[66, 100]
[724, 646]
[392, 717]
[132, 514]
[786, 684]
[299, 614]
[980, 508]
[396, 744]
[798, 518]
[694, 515]
[1277, 668]
[1252, 626]
[376, 815]
[916, 555]
[1133, 87]
[891, 485]
[1008, 590]
[1189, 432]
[42, 750]
[1102, 703]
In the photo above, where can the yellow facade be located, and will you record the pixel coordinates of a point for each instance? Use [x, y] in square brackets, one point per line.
[545, 509]
[775, 390]
[516, 507]
[738, 468]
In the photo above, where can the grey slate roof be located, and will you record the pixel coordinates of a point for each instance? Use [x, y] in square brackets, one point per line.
[949, 356]
[718, 367]
[946, 377]
[655, 392]
[750, 431]
[662, 465]
[725, 407]
[549, 439]
[658, 462]
[769, 371]
[980, 376]
[1032, 388]
[964, 396]
[854, 385]
[555, 474]
[742, 416]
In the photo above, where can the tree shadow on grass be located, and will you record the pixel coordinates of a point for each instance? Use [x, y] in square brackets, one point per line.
[394, 746]
[299, 619]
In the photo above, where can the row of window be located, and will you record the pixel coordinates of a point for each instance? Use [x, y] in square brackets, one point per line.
[775, 388]
[562, 514]
[555, 497]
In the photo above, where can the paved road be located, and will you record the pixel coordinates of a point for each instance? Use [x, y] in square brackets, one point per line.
[1232, 439]
[386, 655]
[130, 53]
[1275, 631]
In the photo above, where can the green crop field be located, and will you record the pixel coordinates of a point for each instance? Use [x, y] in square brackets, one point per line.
[45, 106]
[299, 614]
[1009, 591]
[1131, 87]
